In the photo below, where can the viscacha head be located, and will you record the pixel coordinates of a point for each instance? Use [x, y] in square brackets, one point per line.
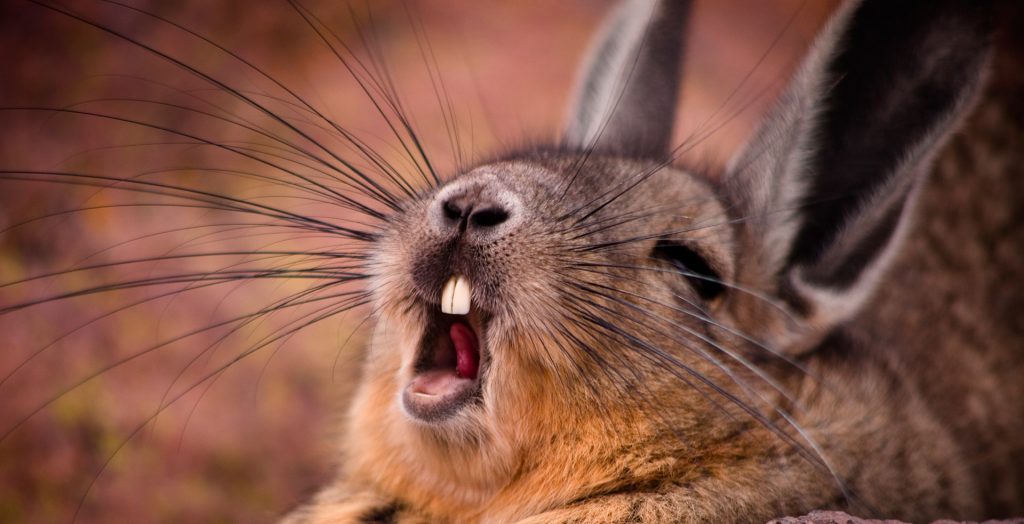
[589, 317]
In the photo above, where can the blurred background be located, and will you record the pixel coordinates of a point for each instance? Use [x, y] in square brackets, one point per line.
[174, 345]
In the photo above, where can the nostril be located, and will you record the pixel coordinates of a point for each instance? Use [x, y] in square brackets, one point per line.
[452, 211]
[488, 217]
[464, 207]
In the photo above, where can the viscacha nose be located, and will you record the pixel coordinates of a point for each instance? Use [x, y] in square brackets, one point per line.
[474, 207]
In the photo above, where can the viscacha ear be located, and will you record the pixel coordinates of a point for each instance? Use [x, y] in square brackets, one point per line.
[826, 187]
[626, 100]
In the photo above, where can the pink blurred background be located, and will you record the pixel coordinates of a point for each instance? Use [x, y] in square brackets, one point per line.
[257, 439]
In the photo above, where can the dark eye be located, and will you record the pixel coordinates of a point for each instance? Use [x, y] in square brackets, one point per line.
[694, 267]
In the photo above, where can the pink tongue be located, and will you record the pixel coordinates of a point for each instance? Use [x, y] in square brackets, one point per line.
[467, 350]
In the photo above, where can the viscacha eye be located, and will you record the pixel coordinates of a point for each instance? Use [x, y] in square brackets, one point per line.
[705, 281]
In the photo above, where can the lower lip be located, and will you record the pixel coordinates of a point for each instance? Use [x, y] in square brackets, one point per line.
[436, 395]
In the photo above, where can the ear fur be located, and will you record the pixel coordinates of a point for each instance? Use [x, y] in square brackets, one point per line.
[626, 100]
[826, 185]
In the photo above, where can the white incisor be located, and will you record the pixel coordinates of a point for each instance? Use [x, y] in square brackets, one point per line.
[456, 295]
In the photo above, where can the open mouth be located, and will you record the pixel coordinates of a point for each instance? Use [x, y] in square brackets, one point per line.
[449, 361]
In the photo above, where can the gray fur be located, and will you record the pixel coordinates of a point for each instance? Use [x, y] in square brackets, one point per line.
[781, 180]
[864, 356]
[627, 98]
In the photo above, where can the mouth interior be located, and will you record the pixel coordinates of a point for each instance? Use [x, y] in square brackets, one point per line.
[447, 371]
[467, 350]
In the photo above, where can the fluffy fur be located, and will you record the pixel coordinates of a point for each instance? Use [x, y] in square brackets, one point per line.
[863, 352]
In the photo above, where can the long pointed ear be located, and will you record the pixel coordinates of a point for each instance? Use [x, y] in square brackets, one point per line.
[627, 96]
[826, 185]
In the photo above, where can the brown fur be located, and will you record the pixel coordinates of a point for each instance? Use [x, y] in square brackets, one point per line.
[917, 401]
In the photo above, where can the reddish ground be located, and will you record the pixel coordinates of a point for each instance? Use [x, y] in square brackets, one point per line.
[257, 438]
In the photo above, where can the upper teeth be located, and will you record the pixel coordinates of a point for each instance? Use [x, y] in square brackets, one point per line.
[456, 295]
